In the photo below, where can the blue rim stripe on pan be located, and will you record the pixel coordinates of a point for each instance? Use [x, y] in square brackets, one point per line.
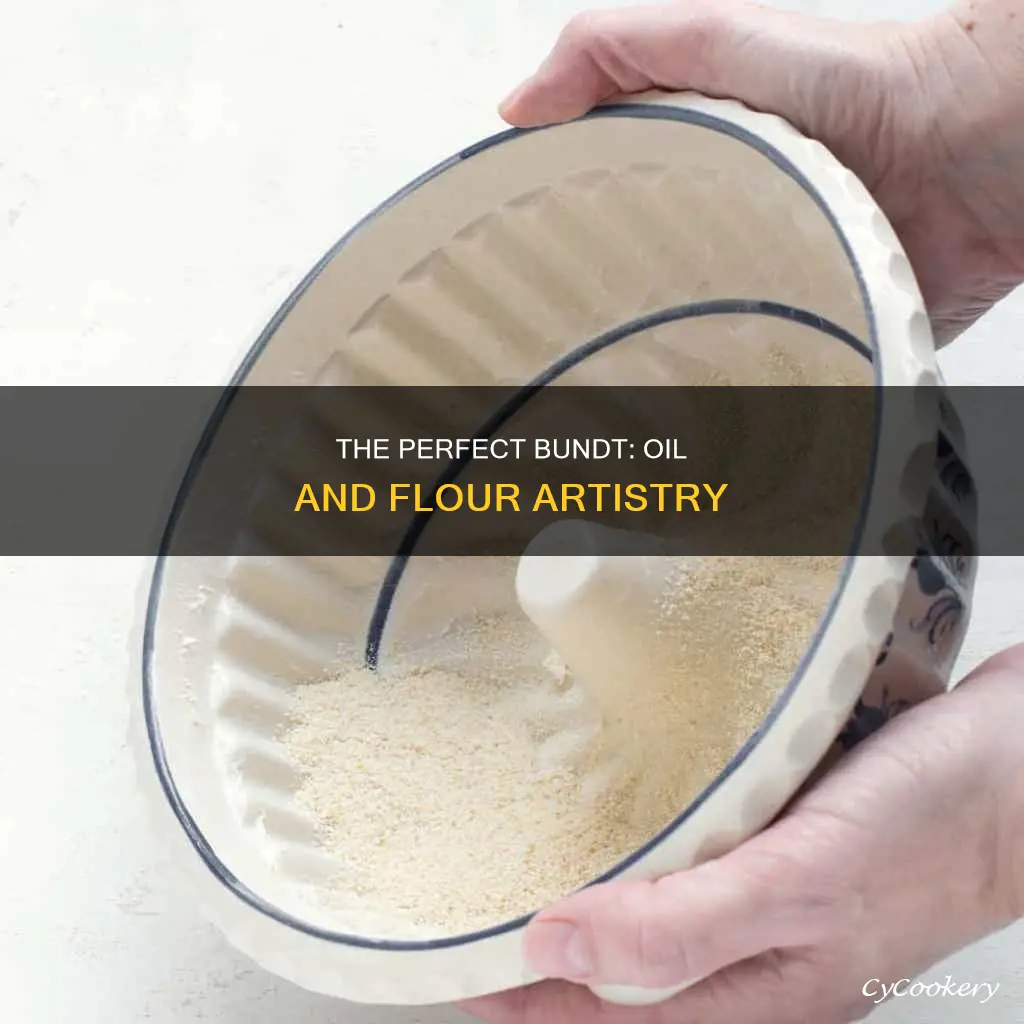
[188, 824]
[573, 358]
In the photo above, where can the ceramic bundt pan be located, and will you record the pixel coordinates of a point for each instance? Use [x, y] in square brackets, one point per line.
[486, 270]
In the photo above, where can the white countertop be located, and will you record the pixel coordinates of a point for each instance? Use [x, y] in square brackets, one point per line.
[167, 171]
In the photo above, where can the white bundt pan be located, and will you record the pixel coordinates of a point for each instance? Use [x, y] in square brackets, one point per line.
[483, 271]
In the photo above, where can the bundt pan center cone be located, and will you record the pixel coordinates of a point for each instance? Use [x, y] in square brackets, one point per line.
[708, 234]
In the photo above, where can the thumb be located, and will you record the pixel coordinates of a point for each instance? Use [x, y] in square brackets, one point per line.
[772, 60]
[687, 926]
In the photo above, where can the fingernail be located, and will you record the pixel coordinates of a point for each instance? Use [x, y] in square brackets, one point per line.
[560, 950]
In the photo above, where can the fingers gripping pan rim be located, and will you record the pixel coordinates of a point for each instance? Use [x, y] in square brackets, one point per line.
[763, 774]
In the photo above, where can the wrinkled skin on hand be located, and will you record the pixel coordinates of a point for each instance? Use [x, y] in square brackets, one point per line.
[925, 114]
[909, 849]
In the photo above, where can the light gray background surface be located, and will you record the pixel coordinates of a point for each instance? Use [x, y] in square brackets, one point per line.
[168, 170]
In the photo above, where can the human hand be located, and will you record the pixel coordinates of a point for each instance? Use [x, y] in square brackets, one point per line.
[908, 850]
[925, 114]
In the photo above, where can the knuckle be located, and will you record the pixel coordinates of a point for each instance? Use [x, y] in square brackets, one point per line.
[704, 29]
[661, 958]
[604, 36]
[584, 28]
